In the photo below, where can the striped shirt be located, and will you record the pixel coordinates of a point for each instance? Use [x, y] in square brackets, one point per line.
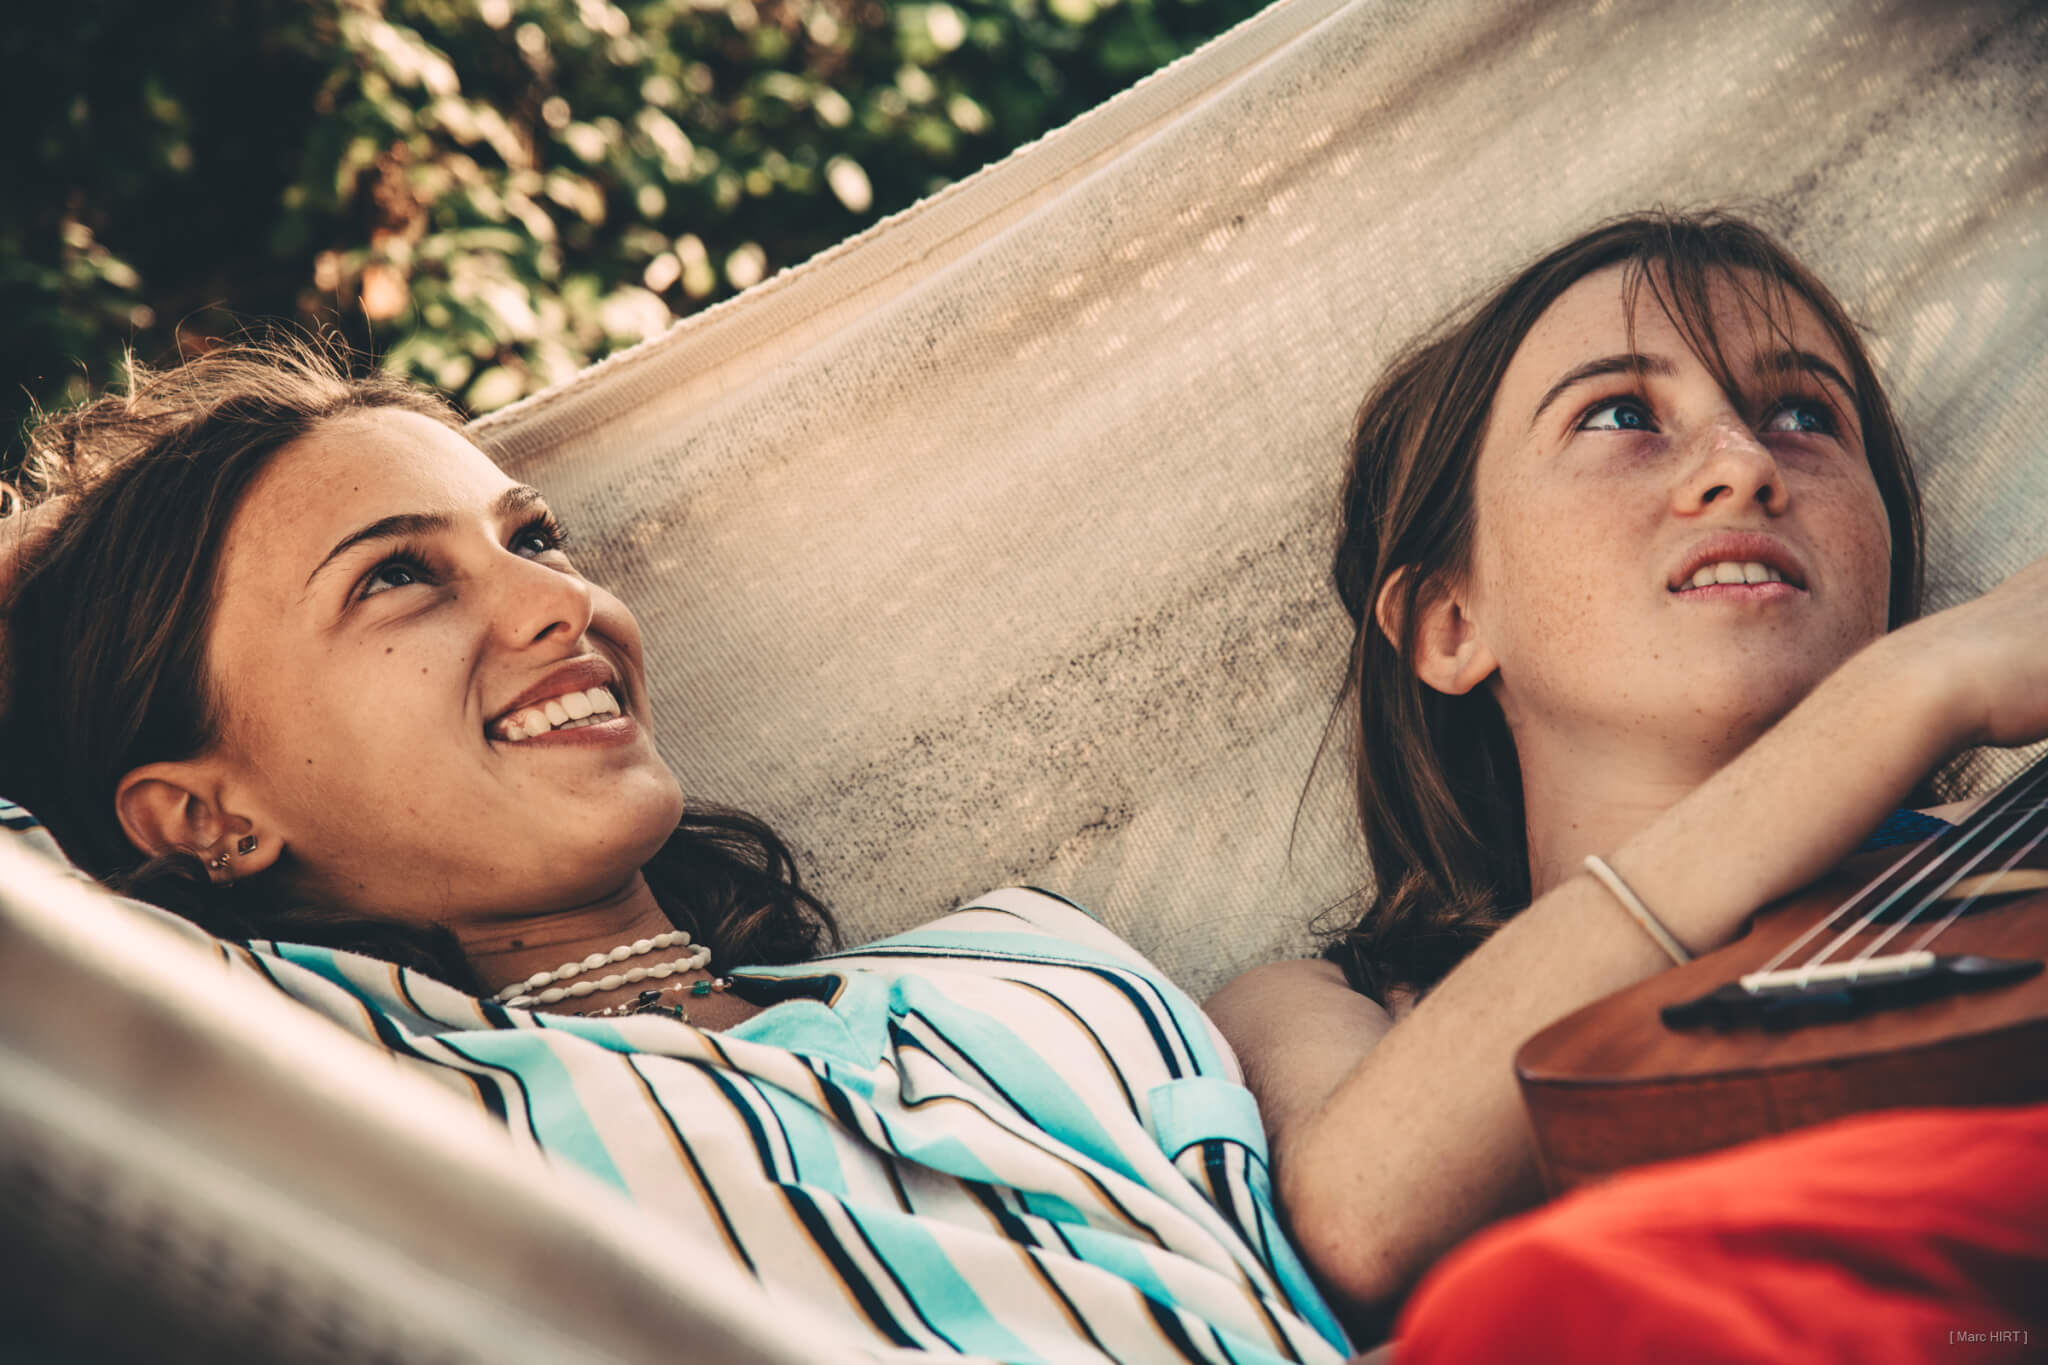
[1003, 1135]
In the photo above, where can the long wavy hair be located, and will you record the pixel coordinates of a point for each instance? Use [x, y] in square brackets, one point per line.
[1438, 786]
[109, 623]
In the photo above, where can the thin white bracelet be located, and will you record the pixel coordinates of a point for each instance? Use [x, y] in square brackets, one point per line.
[1639, 912]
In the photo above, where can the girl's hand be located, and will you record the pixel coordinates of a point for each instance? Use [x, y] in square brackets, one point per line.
[1989, 657]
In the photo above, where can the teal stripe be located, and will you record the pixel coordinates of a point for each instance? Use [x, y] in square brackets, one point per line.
[925, 1274]
[558, 1118]
[813, 1145]
[1122, 1258]
[1026, 948]
[1025, 1076]
[1037, 951]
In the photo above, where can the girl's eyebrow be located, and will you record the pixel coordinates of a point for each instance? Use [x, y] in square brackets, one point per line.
[1630, 363]
[1792, 362]
[512, 501]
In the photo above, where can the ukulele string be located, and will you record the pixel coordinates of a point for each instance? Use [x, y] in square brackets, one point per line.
[2024, 789]
[1875, 886]
[2016, 829]
[2006, 833]
[1963, 903]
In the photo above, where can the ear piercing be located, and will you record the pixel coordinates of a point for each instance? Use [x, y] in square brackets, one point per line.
[243, 846]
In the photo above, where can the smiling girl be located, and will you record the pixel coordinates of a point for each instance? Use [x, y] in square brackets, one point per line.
[301, 664]
[1623, 544]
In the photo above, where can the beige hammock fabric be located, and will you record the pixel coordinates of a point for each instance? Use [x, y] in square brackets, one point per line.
[992, 546]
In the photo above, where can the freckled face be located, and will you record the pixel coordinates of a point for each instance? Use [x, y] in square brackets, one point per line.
[1602, 493]
[360, 685]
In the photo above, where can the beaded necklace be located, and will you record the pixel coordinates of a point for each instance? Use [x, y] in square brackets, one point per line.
[650, 1002]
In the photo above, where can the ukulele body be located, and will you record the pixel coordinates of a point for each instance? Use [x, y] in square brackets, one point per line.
[1612, 1086]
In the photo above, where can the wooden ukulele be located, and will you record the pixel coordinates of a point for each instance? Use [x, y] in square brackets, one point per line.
[1921, 985]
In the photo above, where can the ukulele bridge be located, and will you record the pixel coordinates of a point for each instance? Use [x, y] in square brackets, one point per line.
[1793, 979]
[1795, 997]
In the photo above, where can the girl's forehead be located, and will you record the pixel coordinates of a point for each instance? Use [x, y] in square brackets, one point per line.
[1745, 310]
[377, 459]
[1610, 314]
[347, 473]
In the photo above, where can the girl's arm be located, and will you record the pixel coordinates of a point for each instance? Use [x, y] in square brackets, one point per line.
[1425, 1137]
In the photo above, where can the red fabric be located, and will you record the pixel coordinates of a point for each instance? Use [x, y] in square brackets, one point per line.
[1907, 1237]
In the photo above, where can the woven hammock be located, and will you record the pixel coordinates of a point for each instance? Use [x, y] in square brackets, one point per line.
[991, 547]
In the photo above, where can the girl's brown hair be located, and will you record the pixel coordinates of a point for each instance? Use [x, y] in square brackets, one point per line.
[1438, 785]
[108, 663]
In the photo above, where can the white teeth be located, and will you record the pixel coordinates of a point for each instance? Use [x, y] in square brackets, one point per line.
[570, 711]
[1728, 571]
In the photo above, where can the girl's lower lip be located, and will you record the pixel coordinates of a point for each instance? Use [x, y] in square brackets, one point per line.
[616, 730]
[1741, 592]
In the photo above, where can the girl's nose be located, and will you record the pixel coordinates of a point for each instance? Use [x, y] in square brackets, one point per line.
[1731, 470]
[537, 602]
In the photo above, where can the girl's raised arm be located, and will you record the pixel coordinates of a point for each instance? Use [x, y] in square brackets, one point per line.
[1425, 1138]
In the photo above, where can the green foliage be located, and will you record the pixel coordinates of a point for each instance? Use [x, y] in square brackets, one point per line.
[490, 194]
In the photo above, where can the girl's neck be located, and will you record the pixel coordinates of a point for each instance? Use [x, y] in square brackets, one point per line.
[509, 950]
[1581, 797]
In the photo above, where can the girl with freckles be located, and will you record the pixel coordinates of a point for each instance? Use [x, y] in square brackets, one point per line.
[1633, 551]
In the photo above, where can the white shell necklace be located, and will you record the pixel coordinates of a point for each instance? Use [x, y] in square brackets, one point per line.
[542, 989]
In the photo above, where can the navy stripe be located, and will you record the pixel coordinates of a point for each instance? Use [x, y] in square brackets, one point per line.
[894, 1278]
[704, 1183]
[856, 1281]
[500, 1074]
[1019, 1231]
[763, 1149]
[1115, 976]
[1170, 1326]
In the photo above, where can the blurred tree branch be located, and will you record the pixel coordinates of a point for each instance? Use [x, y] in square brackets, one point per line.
[491, 194]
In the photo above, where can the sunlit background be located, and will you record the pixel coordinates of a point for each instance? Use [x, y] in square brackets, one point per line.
[490, 194]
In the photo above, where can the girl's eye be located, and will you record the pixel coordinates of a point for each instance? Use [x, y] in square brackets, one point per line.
[1620, 414]
[399, 571]
[539, 536]
[1804, 416]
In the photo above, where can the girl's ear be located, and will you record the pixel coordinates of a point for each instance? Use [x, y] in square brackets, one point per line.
[1450, 653]
[165, 807]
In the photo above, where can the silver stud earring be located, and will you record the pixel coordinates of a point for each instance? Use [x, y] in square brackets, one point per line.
[247, 845]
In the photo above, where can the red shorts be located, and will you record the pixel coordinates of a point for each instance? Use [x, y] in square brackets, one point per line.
[1915, 1236]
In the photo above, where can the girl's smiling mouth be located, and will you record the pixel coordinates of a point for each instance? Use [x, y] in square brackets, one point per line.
[582, 696]
[1740, 564]
[1737, 580]
[572, 710]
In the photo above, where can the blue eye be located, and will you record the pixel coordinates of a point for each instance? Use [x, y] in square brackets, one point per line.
[1805, 417]
[1618, 414]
